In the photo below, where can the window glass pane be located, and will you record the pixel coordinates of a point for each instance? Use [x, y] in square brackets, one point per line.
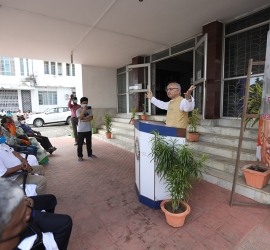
[47, 97]
[234, 90]
[183, 46]
[73, 69]
[7, 66]
[46, 68]
[59, 68]
[248, 21]
[60, 110]
[53, 68]
[68, 69]
[121, 83]
[122, 106]
[121, 70]
[160, 55]
[147, 59]
[22, 66]
[241, 47]
[27, 67]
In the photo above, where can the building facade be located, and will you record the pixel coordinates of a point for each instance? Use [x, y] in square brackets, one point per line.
[36, 85]
[216, 61]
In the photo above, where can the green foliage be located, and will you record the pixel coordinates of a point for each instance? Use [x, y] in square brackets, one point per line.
[133, 112]
[193, 120]
[144, 109]
[254, 101]
[93, 123]
[108, 123]
[178, 165]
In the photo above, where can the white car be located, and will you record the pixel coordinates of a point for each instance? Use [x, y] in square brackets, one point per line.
[50, 115]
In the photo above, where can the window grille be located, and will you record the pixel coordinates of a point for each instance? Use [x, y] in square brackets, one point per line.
[46, 68]
[47, 97]
[22, 66]
[7, 67]
[59, 69]
[68, 69]
[53, 68]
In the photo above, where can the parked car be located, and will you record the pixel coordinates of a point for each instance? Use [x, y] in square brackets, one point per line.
[50, 115]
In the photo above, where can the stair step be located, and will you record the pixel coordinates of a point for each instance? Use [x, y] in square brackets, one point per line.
[228, 140]
[223, 150]
[116, 142]
[115, 130]
[120, 136]
[230, 131]
[225, 180]
[232, 122]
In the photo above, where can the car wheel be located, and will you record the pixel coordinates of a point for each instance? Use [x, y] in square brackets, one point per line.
[68, 121]
[38, 122]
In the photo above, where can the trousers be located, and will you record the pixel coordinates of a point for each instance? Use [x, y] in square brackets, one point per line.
[81, 136]
[39, 179]
[74, 123]
[59, 224]
[44, 141]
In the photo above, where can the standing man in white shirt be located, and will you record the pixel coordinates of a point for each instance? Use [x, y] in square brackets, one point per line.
[178, 107]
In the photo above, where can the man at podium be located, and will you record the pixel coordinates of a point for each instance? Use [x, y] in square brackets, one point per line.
[178, 107]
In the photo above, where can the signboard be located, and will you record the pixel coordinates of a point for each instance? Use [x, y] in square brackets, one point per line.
[263, 141]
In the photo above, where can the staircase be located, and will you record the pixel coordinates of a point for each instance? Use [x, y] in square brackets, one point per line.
[218, 139]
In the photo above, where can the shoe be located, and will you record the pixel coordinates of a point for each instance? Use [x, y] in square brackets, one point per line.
[92, 156]
[80, 159]
[76, 143]
[51, 149]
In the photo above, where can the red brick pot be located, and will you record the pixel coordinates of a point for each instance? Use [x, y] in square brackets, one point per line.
[193, 136]
[175, 220]
[108, 135]
[143, 117]
[255, 178]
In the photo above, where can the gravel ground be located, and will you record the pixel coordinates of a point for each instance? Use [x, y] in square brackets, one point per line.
[53, 130]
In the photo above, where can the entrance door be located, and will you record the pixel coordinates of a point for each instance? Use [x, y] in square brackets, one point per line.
[138, 83]
[199, 73]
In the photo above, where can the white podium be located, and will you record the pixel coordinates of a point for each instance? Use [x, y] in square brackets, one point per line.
[150, 190]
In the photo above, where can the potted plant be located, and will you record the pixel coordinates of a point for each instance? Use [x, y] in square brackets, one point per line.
[193, 134]
[256, 175]
[108, 125]
[133, 112]
[94, 128]
[179, 166]
[144, 116]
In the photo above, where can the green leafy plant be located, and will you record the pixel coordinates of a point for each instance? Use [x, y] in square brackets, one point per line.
[108, 123]
[178, 165]
[254, 101]
[133, 113]
[144, 109]
[93, 123]
[193, 120]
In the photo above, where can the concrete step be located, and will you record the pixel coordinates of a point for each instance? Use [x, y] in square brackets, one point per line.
[120, 136]
[231, 122]
[223, 150]
[116, 142]
[115, 129]
[228, 140]
[230, 131]
[225, 180]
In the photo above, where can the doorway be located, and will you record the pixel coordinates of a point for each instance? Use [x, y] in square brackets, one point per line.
[174, 69]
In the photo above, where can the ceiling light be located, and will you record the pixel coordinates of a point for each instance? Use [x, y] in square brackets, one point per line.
[140, 0]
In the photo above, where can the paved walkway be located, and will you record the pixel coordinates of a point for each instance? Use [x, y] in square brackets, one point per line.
[99, 195]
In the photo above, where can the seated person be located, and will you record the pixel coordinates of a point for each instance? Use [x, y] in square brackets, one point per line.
[43, 140]
[9, 113]
[19, 113]
[59, 224]
[41, 152]
[11, 161]
[2, 113]
[14, 215]
[9, 130]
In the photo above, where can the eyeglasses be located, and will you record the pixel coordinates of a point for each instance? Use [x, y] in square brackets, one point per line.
[167, 89]
[267, 139]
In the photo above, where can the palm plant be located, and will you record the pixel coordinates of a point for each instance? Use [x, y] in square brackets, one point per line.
[254, 102]
[193, 120]
[178, 165]
[108, 123]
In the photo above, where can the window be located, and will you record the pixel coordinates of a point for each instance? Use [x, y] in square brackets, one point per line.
[27, 67]
[53, 68]
[59, 69]
[73, 69]
[61, 110]
[47, 97]
[68, 69]
[46, 68]
[22, 66]
[7, 67]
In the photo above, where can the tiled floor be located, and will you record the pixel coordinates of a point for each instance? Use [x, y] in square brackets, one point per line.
[99, 195]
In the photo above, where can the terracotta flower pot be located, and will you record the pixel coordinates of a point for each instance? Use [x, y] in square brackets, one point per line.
[193, 136]
[143, 117]
[108, 135]
[132, 122]
[175, 220]
[255, 178]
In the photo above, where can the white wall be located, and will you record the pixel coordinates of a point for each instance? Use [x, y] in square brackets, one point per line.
[100, 86]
